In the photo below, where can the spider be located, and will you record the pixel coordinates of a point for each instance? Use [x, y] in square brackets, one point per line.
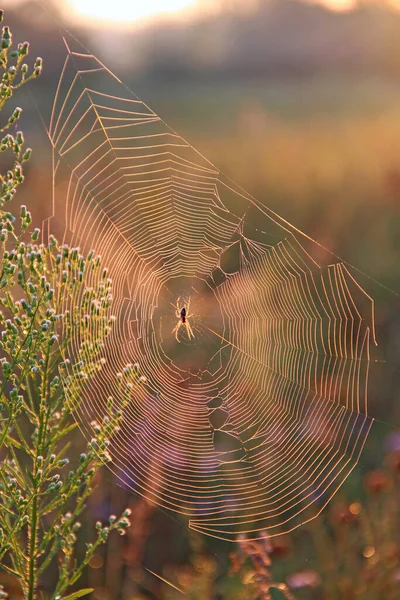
[183, 315]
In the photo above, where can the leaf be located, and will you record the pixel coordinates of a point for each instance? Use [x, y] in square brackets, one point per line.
[11, 571]
[64, 431]
[78, 594]
[15, 442]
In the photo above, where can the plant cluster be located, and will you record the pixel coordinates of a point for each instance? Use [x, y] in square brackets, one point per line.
[50, 296]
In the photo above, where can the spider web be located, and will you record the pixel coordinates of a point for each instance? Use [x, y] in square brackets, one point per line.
[263, 414]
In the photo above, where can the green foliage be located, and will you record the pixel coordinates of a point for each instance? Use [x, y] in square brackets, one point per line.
[48, 294]
[15, 74]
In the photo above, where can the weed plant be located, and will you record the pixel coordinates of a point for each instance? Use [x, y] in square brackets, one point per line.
[49, 295]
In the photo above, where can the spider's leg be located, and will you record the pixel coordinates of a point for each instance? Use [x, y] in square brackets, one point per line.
[176, 329]
[189, 330]
[188, 308]
[178, 307]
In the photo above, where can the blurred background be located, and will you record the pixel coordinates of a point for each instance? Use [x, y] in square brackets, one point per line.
[299, 102]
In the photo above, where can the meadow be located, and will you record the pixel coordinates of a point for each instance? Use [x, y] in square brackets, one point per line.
[317, 150]
[324, 153]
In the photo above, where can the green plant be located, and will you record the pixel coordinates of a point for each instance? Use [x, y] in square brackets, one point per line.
[48, 294]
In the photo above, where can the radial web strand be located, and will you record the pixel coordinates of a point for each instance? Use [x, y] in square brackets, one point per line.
[260, 416]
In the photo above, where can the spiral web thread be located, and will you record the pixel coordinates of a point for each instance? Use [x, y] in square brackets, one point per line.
[263, 414]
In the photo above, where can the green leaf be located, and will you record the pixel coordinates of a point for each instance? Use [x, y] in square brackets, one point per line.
[14, 442]
[64, 431]
[10, 571]
[78, 594]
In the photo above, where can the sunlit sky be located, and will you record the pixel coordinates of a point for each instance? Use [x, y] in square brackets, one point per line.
[339, 4]
[132, 10]
[127, 11]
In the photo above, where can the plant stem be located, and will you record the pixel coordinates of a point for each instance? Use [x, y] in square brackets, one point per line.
[33, 531]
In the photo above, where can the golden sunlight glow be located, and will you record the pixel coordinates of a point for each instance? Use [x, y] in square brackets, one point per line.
[123, 11]
[338, 4]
